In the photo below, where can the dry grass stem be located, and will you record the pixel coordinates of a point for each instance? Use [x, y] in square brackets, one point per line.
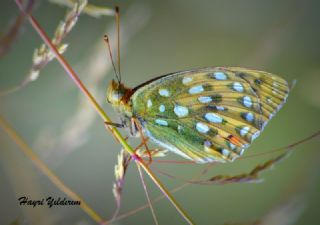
[43, 55]
[89, 9]
[46, 171]
[147, 195]
[8, 38]
[119, 172]
[252, 177]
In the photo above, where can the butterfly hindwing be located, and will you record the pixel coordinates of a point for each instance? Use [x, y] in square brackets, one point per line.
[209, 114]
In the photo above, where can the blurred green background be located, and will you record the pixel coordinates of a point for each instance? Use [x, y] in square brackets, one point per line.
[160, 37]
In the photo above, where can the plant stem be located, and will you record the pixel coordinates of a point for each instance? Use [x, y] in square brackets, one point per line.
[45, 170]
[101, 112]
[147, 195]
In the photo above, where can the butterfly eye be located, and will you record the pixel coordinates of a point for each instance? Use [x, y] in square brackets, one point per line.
[114, 93]
[115, 96]
[117, 93]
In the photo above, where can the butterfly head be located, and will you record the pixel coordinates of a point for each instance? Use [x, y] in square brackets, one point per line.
[118, 95]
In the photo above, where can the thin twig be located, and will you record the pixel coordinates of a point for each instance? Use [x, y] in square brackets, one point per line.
[46, 171]
[147, 195]
[7, 39]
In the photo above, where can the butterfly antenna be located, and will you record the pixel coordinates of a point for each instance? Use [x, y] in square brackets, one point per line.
[106, 39]
[118, 39]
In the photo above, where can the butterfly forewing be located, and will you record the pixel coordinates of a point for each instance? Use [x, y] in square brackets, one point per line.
[209, 114]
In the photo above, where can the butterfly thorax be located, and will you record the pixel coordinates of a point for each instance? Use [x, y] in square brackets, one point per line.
[118, 95]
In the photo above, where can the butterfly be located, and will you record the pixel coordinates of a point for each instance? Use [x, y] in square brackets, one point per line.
[204, 115]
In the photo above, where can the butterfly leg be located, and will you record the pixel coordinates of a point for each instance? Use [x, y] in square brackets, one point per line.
[109, 126]
[144, 140]
[118, 125]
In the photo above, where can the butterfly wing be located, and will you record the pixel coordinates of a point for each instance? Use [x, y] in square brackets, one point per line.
[209, 114]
